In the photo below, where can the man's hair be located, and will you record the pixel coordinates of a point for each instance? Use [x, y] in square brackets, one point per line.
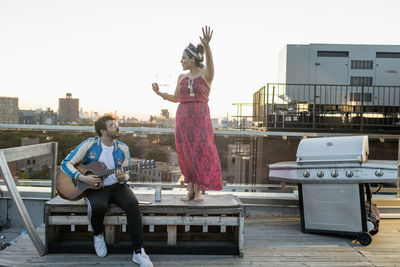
[101, 124]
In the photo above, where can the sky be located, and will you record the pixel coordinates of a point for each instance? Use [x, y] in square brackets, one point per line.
[107, 53]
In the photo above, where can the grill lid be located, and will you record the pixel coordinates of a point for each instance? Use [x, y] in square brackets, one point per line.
[333, 149]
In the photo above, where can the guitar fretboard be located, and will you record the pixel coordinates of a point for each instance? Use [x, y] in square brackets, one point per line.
[148, 164]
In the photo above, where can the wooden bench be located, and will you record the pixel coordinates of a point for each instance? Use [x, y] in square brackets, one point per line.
[213, 226]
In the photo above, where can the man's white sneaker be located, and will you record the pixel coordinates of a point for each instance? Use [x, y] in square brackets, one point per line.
[100, 245]
[142, 259]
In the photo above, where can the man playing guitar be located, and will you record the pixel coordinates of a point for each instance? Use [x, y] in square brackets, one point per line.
[113, 154]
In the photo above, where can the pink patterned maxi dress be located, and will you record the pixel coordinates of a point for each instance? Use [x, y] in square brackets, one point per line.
[194, 136]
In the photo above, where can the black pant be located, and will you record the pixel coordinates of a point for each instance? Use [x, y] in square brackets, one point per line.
[123, 196]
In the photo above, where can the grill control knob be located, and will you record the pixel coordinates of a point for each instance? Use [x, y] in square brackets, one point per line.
[320, 174]
[349, 173]
[379, 173]
[335, 174]
[306, 174]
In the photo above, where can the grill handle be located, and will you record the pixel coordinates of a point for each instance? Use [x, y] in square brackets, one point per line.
[300, 161]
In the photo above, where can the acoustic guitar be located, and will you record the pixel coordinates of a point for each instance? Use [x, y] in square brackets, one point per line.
[69, 189]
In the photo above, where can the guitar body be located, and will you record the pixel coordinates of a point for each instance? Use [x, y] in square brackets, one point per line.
[67, 189]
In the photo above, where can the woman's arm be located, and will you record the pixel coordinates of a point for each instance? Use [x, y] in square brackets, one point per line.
[205, 40]
[172, 98]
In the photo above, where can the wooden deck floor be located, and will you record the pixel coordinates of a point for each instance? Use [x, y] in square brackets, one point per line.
[267, 243]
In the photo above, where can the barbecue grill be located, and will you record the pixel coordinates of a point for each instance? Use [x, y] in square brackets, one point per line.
[331, 174]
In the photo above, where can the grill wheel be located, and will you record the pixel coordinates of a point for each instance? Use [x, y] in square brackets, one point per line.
[364, 238]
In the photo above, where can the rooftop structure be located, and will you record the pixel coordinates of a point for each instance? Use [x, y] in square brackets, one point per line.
[333, 87]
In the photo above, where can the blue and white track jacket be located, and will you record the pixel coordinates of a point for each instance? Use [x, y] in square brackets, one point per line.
[89, 151]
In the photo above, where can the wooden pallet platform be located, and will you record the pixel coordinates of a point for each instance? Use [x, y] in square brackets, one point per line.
[213, 226]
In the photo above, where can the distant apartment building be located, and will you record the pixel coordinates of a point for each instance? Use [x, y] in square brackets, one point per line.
[29, 116]
[68, 109]
[131, 120]
[84, 115]
[164, 120]
[9, 110]
[43, 117]
[49, 117]
[164, 114]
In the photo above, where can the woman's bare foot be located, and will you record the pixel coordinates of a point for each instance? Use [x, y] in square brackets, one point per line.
[198, 197]
[189, 196]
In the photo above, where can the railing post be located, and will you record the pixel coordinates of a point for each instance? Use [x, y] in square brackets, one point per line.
[315, 99]
[273, 105]
[254, 161]
[54, 152]
[362, 109]
[266, 113]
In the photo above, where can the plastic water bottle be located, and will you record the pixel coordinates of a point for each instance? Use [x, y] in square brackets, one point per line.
[157, 196]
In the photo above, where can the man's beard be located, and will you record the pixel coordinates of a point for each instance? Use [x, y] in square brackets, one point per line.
[114, 135]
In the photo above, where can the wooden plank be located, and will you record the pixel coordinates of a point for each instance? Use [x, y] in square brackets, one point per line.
[58, 204]
[24, 152]
[52, 232]
[147, 220]
[205, 227]
[241, 234]
[268, 252]
[109, 234]
[171, 201]
[26, 219]
[11, 262]
[171, 230]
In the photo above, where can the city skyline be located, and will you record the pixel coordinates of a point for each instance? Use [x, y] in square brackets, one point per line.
[107, 53]
[82, 114]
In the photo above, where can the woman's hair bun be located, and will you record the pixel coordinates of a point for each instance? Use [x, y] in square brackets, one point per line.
[200, 48]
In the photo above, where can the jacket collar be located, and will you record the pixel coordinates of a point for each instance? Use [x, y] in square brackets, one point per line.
[99, 143]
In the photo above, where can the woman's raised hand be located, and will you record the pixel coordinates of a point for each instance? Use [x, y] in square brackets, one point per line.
[207, 34]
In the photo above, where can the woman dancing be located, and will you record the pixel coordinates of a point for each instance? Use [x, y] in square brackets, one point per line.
[194, 135]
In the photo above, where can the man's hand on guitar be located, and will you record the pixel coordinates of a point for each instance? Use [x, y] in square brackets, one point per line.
[120, 174]
[91, 180]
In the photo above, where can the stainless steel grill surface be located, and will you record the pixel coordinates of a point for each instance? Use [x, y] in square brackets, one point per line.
[335, 160]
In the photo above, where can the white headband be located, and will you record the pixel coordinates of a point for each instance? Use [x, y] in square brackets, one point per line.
[191, 49]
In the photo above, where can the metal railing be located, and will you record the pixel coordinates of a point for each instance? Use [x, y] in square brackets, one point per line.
[328, 107]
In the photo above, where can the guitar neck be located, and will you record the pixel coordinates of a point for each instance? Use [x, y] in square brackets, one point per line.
[126, 168]
[134, 166]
